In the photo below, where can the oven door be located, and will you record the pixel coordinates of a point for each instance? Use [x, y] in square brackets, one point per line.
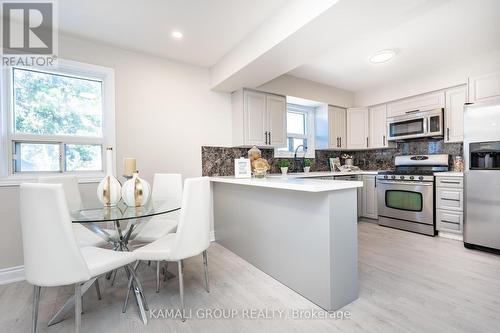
[410, 201]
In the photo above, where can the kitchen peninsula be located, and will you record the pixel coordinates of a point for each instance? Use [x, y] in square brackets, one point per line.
[302, 232]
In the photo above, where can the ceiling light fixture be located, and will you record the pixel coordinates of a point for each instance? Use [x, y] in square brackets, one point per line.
[177, 34]
[382, 56]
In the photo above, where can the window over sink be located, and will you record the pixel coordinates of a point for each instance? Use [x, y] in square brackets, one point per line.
[300, 132]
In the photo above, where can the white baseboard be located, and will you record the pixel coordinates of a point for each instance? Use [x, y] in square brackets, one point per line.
[11, 274]
[451, 235]
[212, 236]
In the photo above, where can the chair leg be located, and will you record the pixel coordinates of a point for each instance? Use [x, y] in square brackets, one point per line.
[166, 271]
[158, 276]
[114, 277]
[98, 289]
[78, 307]
[205, 266]
[36, 301]
[181, 288]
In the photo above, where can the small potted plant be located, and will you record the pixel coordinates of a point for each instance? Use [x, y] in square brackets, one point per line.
[284, 164]
[307, 165]
[347, 159]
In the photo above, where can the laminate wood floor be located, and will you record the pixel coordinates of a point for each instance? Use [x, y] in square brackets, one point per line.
[408, 283]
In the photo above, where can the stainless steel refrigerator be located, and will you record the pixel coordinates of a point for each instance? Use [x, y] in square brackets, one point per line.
[482, 175]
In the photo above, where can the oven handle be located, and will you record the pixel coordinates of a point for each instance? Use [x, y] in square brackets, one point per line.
[406, 183]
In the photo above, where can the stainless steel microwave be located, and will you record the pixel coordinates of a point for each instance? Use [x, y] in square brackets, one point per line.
[415, 124]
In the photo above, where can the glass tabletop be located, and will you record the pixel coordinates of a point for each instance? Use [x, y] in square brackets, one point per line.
[96, 212]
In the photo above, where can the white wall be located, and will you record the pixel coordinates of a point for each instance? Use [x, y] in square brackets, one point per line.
[298, 87]
[452, 75]
[165, 112]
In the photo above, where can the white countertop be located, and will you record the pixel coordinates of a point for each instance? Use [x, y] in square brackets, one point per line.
[291, 183]
[322, 174]
[449, 174]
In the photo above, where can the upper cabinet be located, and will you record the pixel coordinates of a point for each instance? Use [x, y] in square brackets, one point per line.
[337, 133]
[454, 114]
[358, 128]
[378, 127]
[484, 87]
[423, 102]
[276, 120]
[258, 119]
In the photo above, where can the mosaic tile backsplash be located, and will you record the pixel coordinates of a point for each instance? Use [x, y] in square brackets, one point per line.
[219, 161]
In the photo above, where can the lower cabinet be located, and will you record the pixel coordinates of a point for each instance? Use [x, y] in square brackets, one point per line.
[449, 204]
[369, 200]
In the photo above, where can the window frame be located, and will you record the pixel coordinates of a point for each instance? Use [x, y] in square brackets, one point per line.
[309, 111]
[8, 175]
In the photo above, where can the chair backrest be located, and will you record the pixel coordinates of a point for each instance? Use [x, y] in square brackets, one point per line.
[51, 254]
[70, 186]
[192, 236]
[167, 186]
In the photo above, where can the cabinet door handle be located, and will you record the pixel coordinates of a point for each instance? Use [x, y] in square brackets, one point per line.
[340, 146]
[450, 222]
[448, 133]
[367, 142]
[269, 137]
[448, 199]
[449, 182]
[265, 134]
[413, 111]
[384, 139]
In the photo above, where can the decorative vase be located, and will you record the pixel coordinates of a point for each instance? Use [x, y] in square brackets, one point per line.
[348, 161]
[109, 188]
[136, 191]
[306, 169]
[284, 171]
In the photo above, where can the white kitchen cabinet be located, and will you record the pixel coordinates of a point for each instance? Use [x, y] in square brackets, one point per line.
[454, 114]
[258, 119]
[337, 120]
[357, 128]
[378, 127]
[423, 102]
[369, 197]
[484, 87]
[449, 204]
[276, 113]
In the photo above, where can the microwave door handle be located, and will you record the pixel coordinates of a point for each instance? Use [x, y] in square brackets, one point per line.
[426, 125]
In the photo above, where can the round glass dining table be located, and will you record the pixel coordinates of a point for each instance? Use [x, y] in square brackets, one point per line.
[126, 219]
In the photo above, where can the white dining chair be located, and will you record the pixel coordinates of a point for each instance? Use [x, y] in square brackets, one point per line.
[52, 256]
[84, 236]
[166, 186]
[192, 236]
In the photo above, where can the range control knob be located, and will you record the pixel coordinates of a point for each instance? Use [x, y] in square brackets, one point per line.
[385, 177]
[393, 177]
[421, 177]
[411, 177]
[401, 177]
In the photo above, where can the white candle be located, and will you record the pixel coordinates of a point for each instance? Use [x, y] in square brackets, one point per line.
[129, 166]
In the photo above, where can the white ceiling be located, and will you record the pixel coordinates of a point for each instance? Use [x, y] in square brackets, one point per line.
[211, 28]
[449, 33]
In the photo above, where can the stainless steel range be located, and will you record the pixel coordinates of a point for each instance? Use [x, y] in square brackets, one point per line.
[406, 195]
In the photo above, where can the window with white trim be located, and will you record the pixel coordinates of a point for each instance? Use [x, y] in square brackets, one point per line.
[57, 120]
[300, 131]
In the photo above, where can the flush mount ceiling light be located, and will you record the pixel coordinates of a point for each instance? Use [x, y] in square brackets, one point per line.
[177, 34]
[382, 56]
